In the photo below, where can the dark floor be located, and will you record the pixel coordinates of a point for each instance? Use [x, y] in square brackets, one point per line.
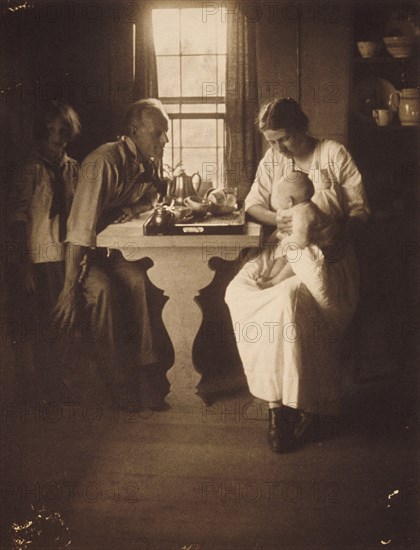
[203, 478]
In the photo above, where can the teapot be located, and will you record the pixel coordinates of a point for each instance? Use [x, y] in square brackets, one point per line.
[407, 101]
[183, 186]
[163, 218]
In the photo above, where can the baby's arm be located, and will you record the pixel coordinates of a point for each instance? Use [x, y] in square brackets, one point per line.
[283, 271]
[303, 222]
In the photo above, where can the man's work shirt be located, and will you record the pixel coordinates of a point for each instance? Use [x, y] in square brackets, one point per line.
[111, 177]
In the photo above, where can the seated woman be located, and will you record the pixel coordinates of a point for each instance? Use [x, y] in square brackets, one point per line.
[293, 361]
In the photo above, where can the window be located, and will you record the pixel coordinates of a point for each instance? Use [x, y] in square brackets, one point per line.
[191, 63]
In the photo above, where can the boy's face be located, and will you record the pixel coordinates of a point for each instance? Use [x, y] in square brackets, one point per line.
[58, 138]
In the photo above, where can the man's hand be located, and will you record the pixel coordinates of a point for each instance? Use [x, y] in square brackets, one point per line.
[29, 279]
[127, 214]
[284, 221]
[65, 310]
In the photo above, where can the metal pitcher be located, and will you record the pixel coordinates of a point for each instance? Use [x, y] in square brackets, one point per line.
[183, 186]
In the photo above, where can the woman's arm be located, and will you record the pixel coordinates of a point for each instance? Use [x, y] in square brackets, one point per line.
[262, 214]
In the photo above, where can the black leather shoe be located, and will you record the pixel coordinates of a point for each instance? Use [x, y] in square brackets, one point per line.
[305, 427]
[280, 432]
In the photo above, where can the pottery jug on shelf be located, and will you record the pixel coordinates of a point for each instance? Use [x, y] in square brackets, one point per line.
[407, 101]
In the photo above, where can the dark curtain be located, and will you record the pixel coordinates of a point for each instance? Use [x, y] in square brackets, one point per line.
[242, 140]
[133, 74]
[146, 82]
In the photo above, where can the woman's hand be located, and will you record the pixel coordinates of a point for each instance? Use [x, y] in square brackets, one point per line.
[284, 221]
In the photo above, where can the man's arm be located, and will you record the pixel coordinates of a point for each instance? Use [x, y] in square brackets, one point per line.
[66, 307]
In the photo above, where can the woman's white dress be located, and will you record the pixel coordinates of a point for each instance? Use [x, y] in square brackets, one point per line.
[289, 335]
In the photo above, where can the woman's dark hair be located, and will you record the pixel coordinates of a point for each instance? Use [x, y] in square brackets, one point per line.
[284, 113]
[49, 112]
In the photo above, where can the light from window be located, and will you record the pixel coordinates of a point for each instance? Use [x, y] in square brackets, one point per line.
[191, 64]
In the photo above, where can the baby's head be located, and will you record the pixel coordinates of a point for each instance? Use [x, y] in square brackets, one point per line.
[296, 188]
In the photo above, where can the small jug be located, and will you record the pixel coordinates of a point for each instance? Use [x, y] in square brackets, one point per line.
[163, 218]
[407, 101]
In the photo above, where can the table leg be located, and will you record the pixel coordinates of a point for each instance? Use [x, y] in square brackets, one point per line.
[181, 273]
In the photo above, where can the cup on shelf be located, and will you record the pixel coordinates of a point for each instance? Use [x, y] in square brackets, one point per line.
[368, 48]
[383, 117]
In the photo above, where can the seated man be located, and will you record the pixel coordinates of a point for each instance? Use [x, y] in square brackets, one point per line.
[116, 183]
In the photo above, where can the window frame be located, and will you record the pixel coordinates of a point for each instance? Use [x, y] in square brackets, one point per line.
[182, 101]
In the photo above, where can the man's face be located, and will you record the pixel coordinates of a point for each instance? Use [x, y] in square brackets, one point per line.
[149, 133]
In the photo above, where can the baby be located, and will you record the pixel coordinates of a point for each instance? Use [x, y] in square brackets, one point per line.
[310, 225]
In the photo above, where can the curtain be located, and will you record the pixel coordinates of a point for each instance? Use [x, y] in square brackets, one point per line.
[133, 71]
[146, 81]
[242, 139]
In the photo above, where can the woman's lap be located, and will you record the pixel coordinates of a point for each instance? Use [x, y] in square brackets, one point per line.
[289, 345]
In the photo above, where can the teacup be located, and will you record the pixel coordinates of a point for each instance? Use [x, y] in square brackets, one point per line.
[199, 206]
[222, 200]
[383, 117]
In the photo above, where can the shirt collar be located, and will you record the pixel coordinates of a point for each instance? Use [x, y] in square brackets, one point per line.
[133, 150]
[65, 159]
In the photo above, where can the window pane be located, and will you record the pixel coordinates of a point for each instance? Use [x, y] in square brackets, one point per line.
[220, 133]
[174, 135]
[166, 31]
[221, 35]
[198, 34]
[199, 133]
[221, 74]
[171, 157]
[168, 76]
[197, 73]
[198, 108]
[172, 107]
[200, 160]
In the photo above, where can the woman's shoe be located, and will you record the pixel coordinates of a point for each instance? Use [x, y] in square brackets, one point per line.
[280, 432]
[305, 427]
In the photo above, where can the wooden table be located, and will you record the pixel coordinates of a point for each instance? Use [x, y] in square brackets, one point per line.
[181, 269]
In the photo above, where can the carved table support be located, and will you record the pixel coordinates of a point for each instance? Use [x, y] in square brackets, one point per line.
[180, 269]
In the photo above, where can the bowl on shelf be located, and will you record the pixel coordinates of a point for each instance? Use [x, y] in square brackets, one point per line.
[399, 46]
[369, 48]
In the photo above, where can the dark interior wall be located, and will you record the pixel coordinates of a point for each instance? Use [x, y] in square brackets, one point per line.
[304, 52]
[79, 52]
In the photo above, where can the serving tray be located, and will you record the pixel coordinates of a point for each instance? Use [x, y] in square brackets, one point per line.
[230, 224]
